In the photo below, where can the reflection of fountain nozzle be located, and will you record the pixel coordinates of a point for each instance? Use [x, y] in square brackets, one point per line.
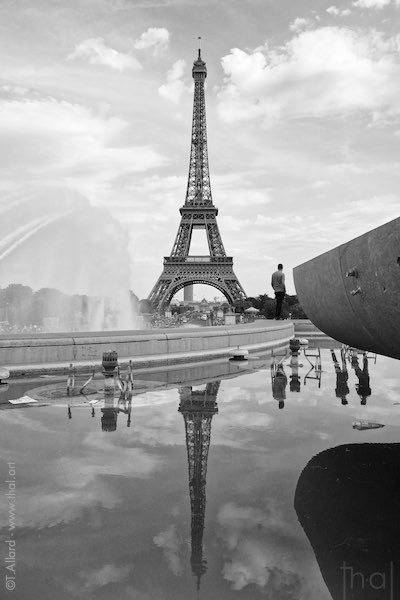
[109, 419]
[110, 411]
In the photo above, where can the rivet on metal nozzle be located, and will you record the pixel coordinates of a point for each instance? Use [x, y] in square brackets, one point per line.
[352, 273]
[357, 291]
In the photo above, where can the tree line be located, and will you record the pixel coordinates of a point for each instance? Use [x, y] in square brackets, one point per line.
[266, 306]
[20, 306]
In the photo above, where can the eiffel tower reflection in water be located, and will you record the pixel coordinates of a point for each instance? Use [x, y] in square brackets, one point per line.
[198, 408]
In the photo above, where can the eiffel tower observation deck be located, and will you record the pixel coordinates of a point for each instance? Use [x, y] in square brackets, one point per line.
[180, 268]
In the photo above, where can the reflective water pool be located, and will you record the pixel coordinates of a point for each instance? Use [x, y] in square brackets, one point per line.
[200, 487]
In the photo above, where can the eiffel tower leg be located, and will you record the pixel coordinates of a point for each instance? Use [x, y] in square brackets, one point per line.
[158, 294]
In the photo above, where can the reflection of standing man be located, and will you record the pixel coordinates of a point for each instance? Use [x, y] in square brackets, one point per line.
[279, 383]
[342, 376]
[362, 386]
[278, 285]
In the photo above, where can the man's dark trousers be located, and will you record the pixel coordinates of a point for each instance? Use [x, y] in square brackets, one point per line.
[279, 300]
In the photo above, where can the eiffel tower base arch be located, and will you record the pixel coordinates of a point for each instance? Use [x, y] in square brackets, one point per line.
[217, 273]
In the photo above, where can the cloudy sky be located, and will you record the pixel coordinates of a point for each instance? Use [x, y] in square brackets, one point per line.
[303, 119]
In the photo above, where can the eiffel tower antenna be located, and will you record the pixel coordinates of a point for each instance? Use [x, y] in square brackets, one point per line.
[180, 268]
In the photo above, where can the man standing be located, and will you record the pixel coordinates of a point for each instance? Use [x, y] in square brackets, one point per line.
[278, 285]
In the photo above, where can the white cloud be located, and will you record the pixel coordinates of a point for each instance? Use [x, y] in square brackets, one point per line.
[330, 71]
[160, 192]
[75, 488]
[39, 509]
[170, 542]
[60, 141]
[96, 52]
[277, 221]
[21, 419]
[333, 10]
[318, 184]
[155, 37]
[373, 3]
[13, 90]
[106, 574]
[91, 581]
[298, 24]
[175, 88]
[311, 235]
[228, 190]
[232, 224]
[47, 115]
[256, 563]
[254, 552]
[383, 208]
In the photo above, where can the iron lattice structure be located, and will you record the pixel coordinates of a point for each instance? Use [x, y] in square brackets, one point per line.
[198, 212]
[198, 408]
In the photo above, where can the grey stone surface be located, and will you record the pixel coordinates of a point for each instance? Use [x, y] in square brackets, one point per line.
[352, 293]
[22, 354]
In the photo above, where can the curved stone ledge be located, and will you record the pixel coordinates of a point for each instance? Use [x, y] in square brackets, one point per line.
[144, 348]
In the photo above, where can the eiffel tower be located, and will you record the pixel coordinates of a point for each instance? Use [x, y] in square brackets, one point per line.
[198, 408]
[180, 269]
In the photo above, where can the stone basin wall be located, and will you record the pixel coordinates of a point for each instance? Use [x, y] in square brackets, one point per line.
[143, 347]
